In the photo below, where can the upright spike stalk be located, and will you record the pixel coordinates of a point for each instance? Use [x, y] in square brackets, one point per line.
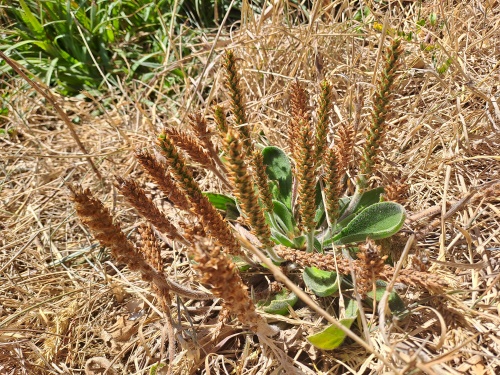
[376, 131]
[306, 176]
[245, 192]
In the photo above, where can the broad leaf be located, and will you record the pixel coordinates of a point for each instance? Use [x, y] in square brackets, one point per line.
[280, 238]
[284, 218]
[367, 199]
[332, 337]
[224, 203]
[380, 220]
[279, 304]
[279, 169]
[322, 283]
[396, 304]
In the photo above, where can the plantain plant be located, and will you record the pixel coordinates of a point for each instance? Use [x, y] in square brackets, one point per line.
[289, 203]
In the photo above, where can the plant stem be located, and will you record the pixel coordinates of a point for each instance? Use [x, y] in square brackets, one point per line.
[310, 241]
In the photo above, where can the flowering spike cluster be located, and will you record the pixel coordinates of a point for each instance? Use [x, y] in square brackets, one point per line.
[220, 120]
[299, 109]
[369, 267]
[345, 147]
[322, 125]
[376, 130]
[150, 247]
[192, 148]
[199, 125]
[244, 188]
[137, 198]
[306, 177]
[237, 98]
[93, 214]
[396, 189]
[217, 270]
[333, 182]
[214, 224]
[262, 181]
[164, 180]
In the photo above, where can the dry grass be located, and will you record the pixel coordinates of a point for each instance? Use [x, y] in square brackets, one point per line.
[66, 308]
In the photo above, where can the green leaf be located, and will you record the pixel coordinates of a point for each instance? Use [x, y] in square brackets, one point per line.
[31, 21]
[280, 238]
[322, 283]
[240, 263]
[279, 304]
[283, 217]
[396, 304]
[279, 169]
[433, 18]
[380, 220]
[224, 203]
[367, 199]
[331, 337]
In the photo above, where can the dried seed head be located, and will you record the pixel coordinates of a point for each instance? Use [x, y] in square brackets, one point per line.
[244, 188]
[163, 178]
[381, 103]
[216, 269]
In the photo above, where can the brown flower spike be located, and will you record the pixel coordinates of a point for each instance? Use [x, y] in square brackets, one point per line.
[216, 269]
[213, 222]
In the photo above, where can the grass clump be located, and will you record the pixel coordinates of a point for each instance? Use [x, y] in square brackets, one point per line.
[77, 46]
